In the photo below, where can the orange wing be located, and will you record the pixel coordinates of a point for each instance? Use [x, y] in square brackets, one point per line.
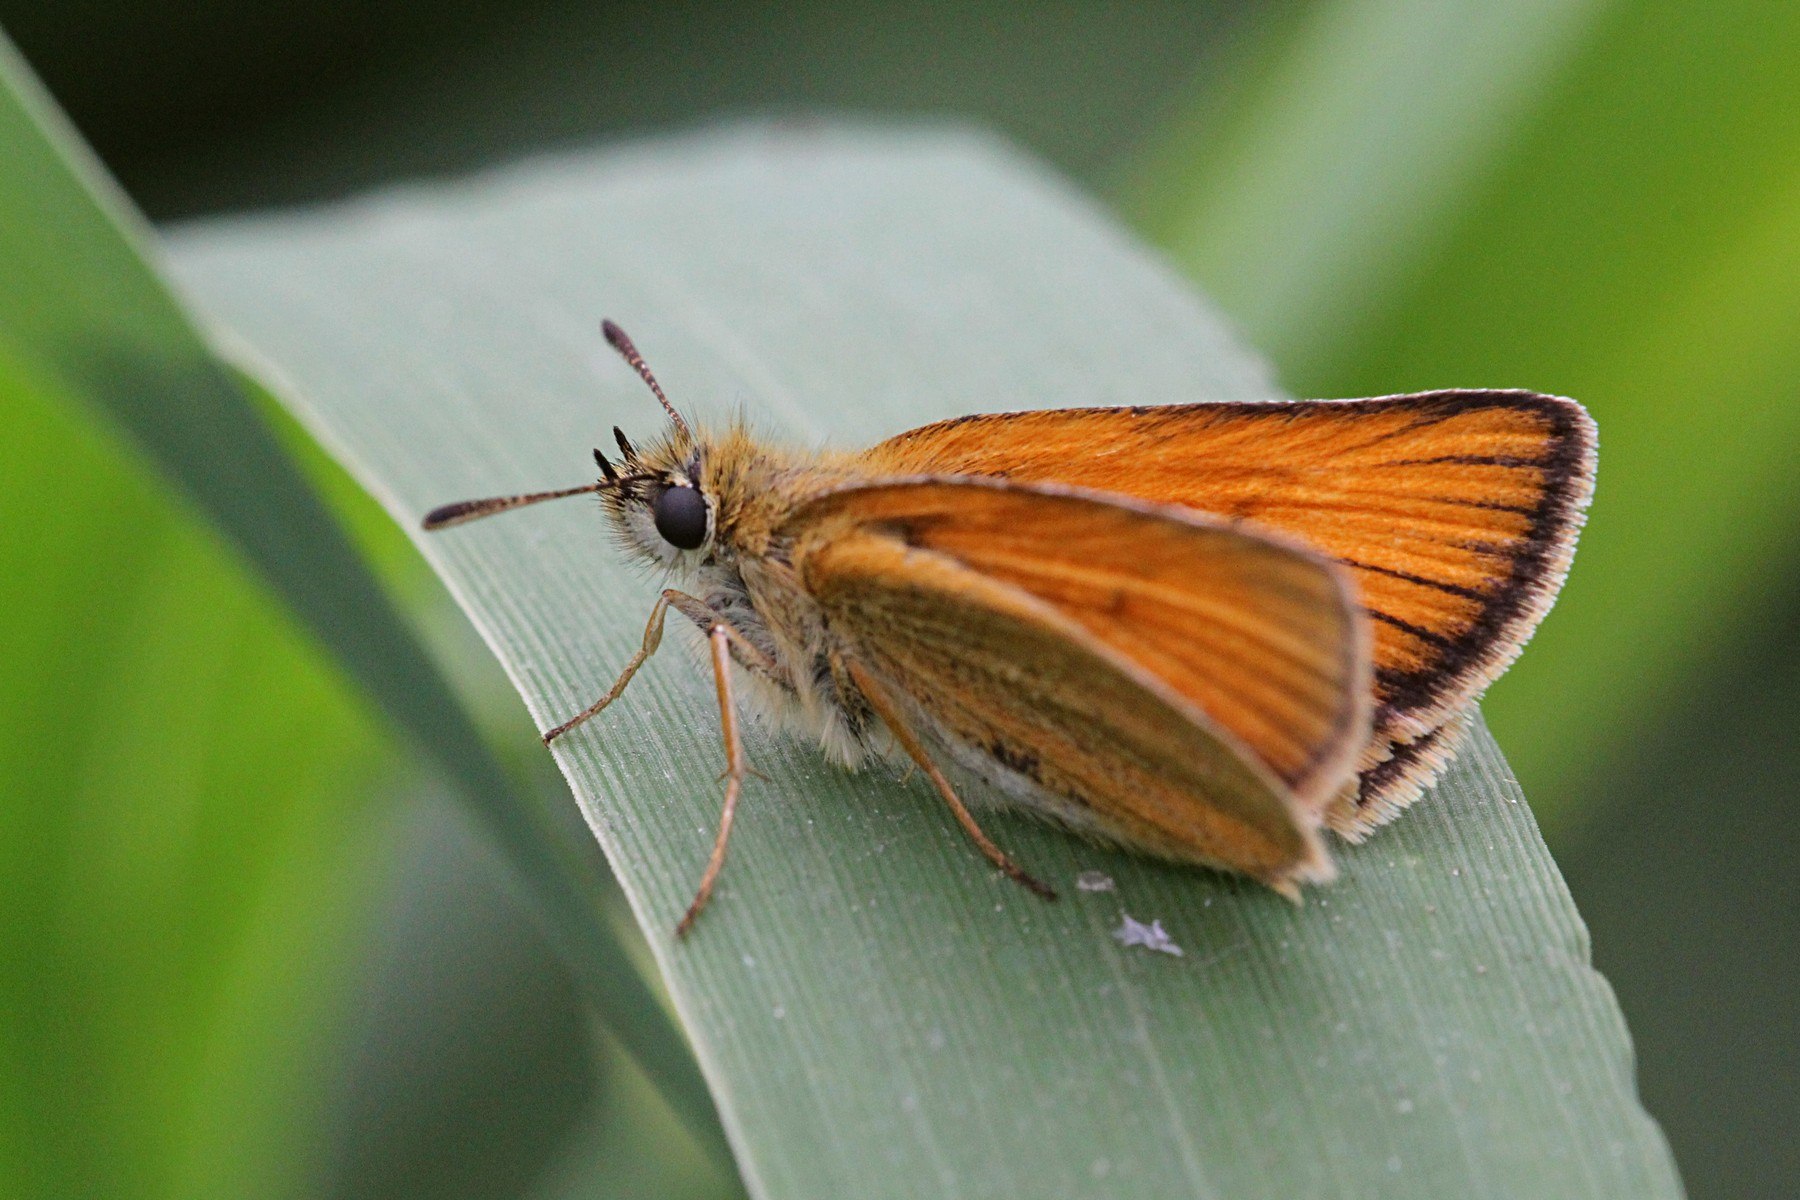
[1456, 513]
[1196, 692]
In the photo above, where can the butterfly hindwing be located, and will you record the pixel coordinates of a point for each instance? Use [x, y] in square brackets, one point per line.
[1191, 690]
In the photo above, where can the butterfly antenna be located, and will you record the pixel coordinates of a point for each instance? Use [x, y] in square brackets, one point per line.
[615, 337]
[447, 515]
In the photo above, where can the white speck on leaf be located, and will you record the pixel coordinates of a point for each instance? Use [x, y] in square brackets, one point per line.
[1151, 937]
[1094, 881]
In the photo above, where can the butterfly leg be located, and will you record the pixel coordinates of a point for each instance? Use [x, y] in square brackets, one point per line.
[884, 707]
[691, 607]
[703, 615]
[722, 638]
[652, 639]
[736, 767]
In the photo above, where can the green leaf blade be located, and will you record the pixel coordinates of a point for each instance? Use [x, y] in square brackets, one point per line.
[87, 319]
[878, 1013]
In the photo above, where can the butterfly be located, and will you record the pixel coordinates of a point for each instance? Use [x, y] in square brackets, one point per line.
[1205, 632]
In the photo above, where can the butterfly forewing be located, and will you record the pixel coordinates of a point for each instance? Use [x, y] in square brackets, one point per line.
[1170, 683]
[1456, 513]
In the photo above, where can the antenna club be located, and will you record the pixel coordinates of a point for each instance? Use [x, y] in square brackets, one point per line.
[447, 514]
[617, 338]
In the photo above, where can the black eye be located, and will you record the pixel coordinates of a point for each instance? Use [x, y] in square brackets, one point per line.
[680, 515]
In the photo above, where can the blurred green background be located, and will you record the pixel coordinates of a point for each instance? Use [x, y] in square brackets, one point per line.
[1598, 198]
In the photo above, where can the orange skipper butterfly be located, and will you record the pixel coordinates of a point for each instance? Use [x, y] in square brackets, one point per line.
[1203, 632]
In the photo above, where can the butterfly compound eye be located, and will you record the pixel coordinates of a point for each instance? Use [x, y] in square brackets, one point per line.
[680, 516]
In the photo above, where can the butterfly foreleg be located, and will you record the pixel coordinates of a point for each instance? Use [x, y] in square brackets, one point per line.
[652, 639]
[688, 606]
[707, 618]
[889, 712]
